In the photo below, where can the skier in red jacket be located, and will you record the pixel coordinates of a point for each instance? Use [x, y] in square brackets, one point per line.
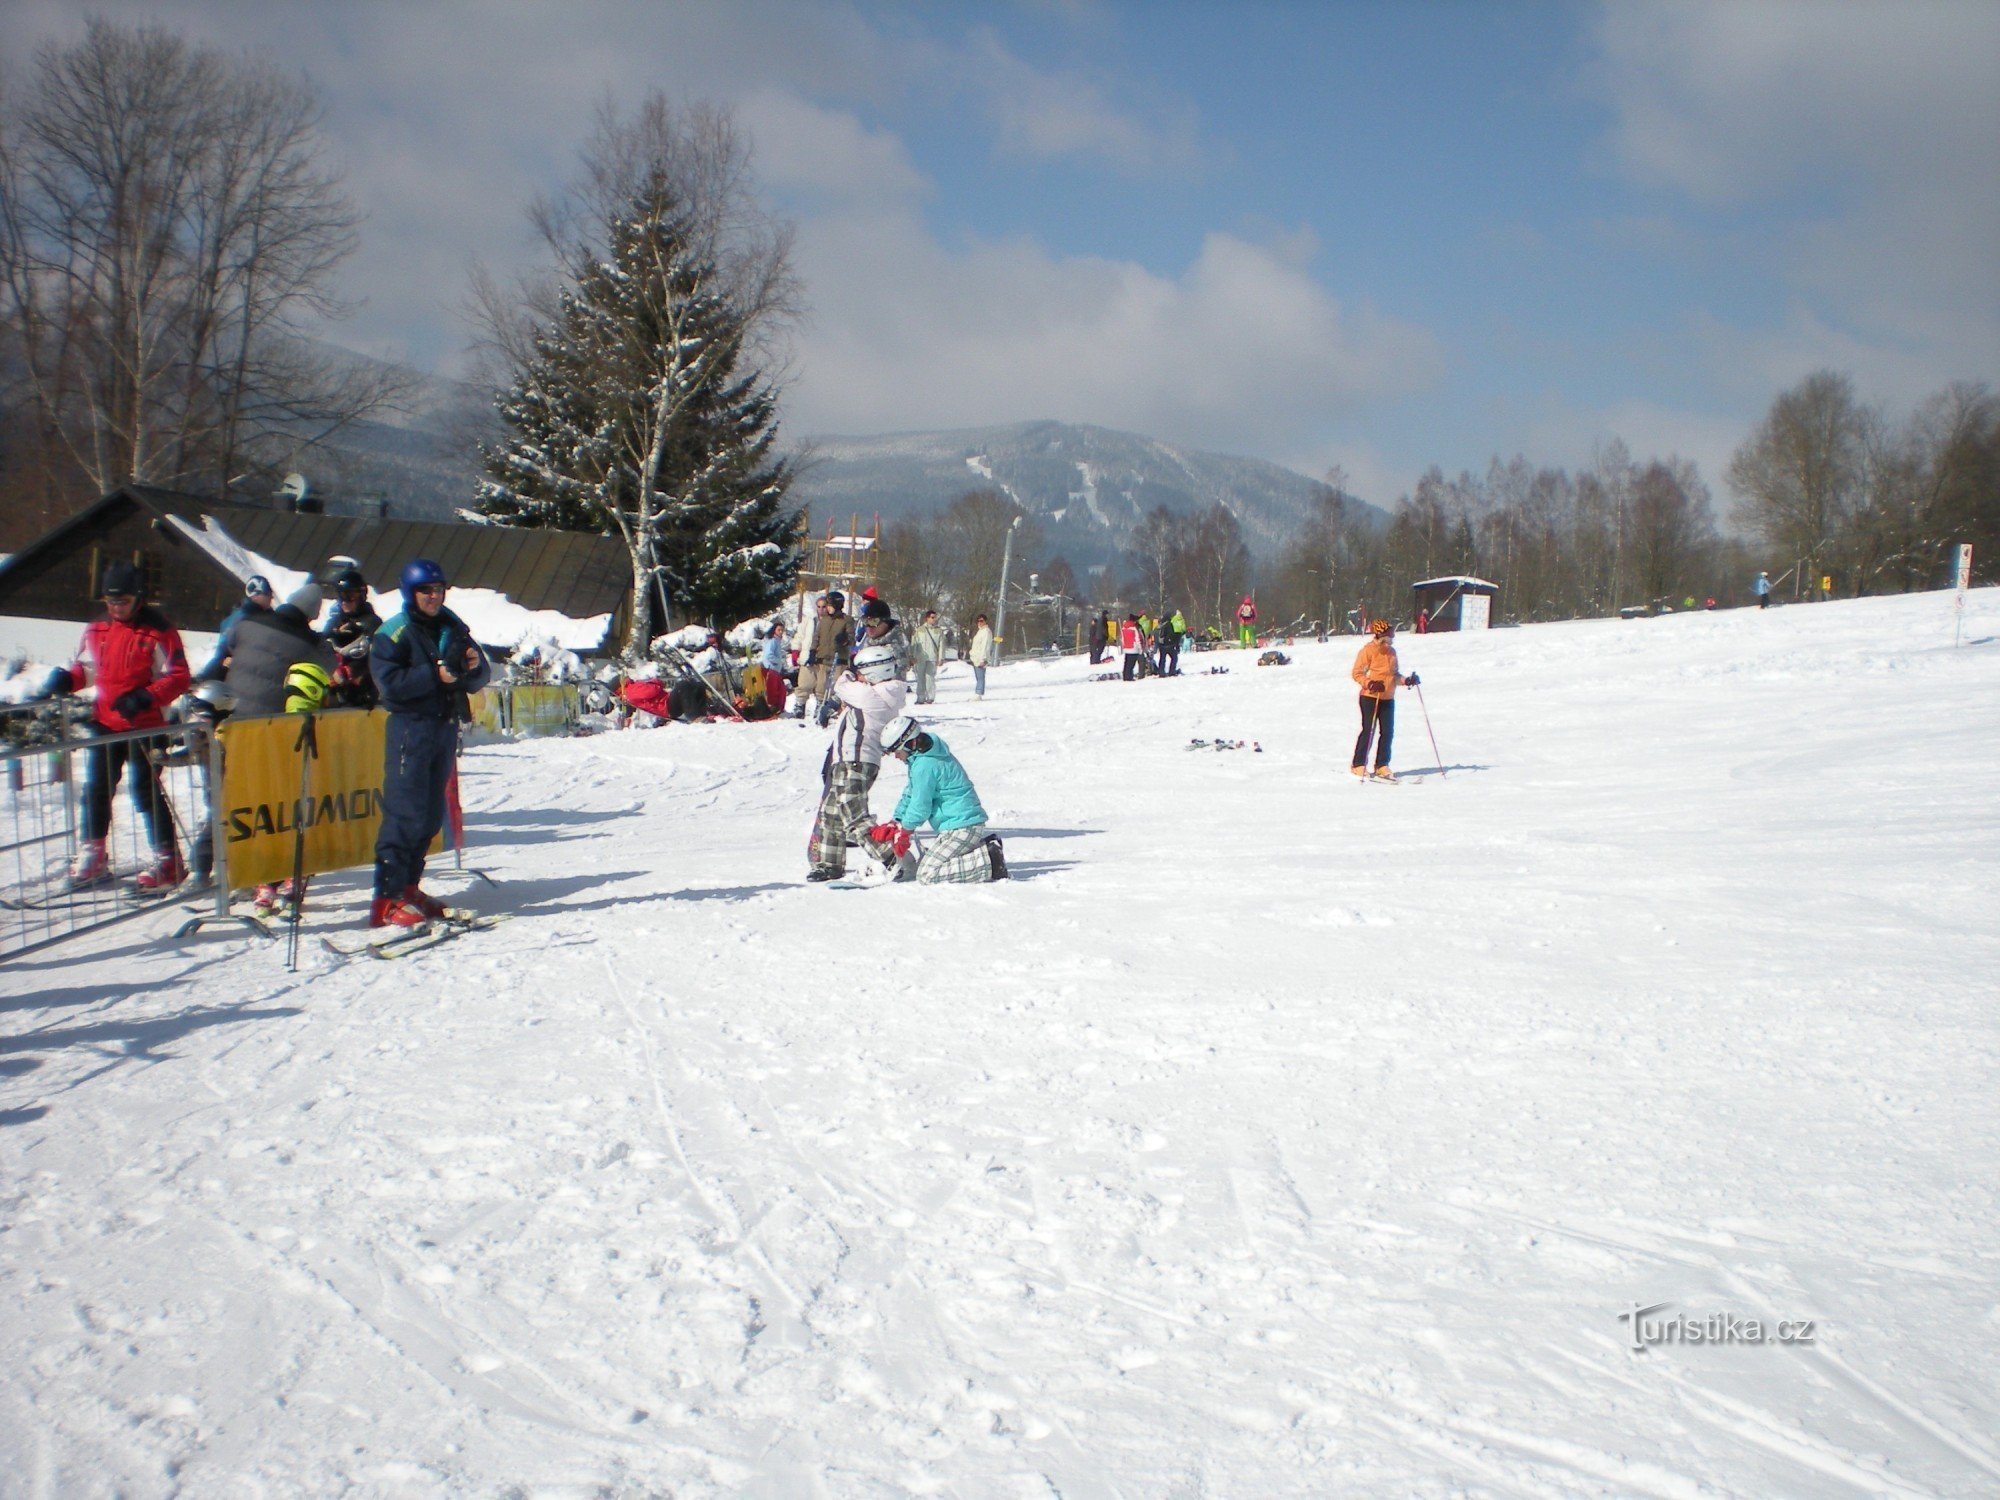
[133, 660]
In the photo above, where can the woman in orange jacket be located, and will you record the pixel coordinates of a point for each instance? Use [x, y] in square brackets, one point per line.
[1377, 673]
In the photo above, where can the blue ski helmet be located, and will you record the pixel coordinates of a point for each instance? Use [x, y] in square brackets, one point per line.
[415, 575]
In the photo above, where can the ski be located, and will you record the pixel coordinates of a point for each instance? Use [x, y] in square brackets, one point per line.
[114, 890]
[401, 942]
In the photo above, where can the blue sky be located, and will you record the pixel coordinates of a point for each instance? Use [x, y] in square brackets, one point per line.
[1374, 235]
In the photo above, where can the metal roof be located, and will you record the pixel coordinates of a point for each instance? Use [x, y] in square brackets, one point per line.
[575, 573]
[1459, 579]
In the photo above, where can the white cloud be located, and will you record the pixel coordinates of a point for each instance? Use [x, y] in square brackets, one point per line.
[827, 154]
[1243, 350]
[1865, 131]
[1043, 115]
[449, 117]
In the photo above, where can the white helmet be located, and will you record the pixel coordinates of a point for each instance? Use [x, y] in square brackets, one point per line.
[219, 696]
[898, 732]
[875, 664]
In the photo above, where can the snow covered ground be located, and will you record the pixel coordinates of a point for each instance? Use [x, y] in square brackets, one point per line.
[1271, 1135]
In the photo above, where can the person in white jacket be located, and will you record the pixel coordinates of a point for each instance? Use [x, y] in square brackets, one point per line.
[870, 695]
[980, 655]
[926, 651]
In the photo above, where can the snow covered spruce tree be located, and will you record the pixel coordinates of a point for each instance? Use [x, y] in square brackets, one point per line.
[641, 400]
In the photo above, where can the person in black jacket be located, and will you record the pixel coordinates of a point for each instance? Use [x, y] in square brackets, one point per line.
[350, 629]
[426, 667]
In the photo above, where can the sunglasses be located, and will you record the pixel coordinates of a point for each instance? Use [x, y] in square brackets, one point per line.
[119, 598]
[429, 590]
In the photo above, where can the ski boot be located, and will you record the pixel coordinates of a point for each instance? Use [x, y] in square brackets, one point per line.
[392, 911]
[265, 902]
[92, 866]
[1358, 772]
[433, 909]
[824, 872]
[998, 856]
[162, 875]
[1383, 773]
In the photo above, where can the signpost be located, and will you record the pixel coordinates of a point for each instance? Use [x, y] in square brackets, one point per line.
[1963, 573]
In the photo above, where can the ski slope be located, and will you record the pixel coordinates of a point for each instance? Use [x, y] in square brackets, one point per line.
[1270, 1135]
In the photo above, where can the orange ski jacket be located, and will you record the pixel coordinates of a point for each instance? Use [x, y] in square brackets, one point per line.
[1375, 668]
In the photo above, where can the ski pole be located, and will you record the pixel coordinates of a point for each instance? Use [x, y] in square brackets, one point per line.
[308, 748]
[1429, 731]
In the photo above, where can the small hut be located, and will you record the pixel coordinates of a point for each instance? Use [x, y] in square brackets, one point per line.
[1456, 603]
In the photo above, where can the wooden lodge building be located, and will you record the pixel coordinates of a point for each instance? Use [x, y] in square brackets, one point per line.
[198, 581]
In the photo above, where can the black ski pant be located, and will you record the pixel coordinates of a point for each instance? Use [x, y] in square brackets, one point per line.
[1131, 664]
[1376, 713]
[102, 766]
[417, 757]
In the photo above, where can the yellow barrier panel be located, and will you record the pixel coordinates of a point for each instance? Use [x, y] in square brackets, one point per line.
[486, 711]
[539, 708]
[260, 804]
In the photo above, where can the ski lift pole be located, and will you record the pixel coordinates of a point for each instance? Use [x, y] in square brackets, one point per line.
[1000, 611]
[1419, 691]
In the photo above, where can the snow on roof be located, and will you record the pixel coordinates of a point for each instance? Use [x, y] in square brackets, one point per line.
[494, 619]
[1457, 578]
[851, 543]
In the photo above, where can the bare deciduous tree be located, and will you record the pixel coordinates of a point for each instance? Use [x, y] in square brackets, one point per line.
[165, 225]
[1799, 476]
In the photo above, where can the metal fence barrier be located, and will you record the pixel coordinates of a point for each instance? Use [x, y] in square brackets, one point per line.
[46, 771]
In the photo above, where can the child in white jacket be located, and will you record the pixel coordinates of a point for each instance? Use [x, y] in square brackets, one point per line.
[870, 696]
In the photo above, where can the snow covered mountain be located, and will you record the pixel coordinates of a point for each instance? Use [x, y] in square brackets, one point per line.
[1089, 486]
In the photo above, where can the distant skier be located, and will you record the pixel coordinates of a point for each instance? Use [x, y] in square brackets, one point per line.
[1132, 644]
[880, 628]
[1378, 674]
[1762, 589]
[939, 795]
[1246, 621]
[824, 648]
[776, 660]
[980, 654]
[870, 694]
[1167, 643]
[427, 666]
[926, 651]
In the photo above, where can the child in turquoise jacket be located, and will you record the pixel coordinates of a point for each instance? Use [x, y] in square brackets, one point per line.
[939, 795]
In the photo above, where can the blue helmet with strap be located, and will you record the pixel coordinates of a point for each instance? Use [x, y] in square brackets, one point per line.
[416, 574]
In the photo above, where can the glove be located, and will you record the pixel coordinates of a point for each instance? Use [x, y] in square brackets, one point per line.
[894, 835]
[1411, 680]
[1372, 687]
[58, 682]
[828, 707]
[132, 704]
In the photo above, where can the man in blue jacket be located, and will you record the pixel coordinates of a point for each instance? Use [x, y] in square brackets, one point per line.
[426, 666]
[939, 794]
